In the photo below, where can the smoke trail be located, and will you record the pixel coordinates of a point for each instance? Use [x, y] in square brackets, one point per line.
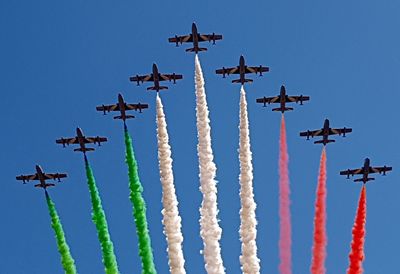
[285, 241]
[99, 219]
[139, 209]
[67, 261]
[357, 244]
[320, 238]
[210, 230]
[248, 232]
[171, 218]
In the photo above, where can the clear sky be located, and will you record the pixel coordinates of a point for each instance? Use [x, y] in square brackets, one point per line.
[59, 59]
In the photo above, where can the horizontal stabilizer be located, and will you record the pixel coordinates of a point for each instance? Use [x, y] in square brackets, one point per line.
[282, 109]
[245, 80]
[155, 88]
[46, 185]
[85, 149]
[324, 142]
[126, 117]
[362, 180]
[198, 49]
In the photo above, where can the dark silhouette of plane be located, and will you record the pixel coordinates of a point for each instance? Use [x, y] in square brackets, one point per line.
[122, 107]
[195, 37]
[82, 141]
[42, 177]
[282, 99]
[325, 132]
[365, 171]
[242, 70]
[156, 77]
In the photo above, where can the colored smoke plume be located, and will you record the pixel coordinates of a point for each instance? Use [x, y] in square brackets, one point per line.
[67, 261]
[357, 244]
[285, 242]
[320, 238]
[99, 219]
[139, 209]
[248, 232]
[210, 230]
[171, 218]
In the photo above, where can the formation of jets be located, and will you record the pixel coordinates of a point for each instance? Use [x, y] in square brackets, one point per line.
[156, 77]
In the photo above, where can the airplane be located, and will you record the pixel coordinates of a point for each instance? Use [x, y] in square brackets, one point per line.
[242, 69]
[42, 177]
[82, 141]
[122, 106]
[195, 37]
[325, 132]
[156, 77]
[282, 99]
[365, 171]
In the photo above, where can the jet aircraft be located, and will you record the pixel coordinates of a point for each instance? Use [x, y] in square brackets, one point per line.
[122, 107]
[282, 99]
[325, 132]
[41, 177]
[155, 77]
[195, 37]
[242, 70]
[365, 171]
[82, 140]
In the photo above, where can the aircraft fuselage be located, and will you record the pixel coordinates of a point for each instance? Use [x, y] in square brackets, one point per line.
[156, 78]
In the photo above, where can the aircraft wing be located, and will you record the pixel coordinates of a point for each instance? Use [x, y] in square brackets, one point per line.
[108, 108]
[352, 172]
[67, 141]
[380, 169]
[312, 133]
[181, 39]
[228, 71]
[170, 77]
[54, 176]
[209, 37]
[27, 177]
[268, 100]
[339, 131]
[142, 78]
[256, 70]
[89, 140]
[136, 106]
[297, 98]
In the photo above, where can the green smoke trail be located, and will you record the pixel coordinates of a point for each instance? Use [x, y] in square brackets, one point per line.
[67, 261]
[99, 219]
[139, 209]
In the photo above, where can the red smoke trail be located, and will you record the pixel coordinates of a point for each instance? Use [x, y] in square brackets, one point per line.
[357, 244]
[320, 239]
[285, 242]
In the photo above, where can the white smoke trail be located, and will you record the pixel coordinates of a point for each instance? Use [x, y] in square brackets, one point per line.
[248, 232]
[210, 230]
[171, 218]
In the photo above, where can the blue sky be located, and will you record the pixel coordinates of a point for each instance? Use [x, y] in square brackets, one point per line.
[58, 60]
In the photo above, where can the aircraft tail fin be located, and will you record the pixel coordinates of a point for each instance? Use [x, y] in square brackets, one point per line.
[84, 150]
[194, 49]
[324, 142]
[282, 109]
